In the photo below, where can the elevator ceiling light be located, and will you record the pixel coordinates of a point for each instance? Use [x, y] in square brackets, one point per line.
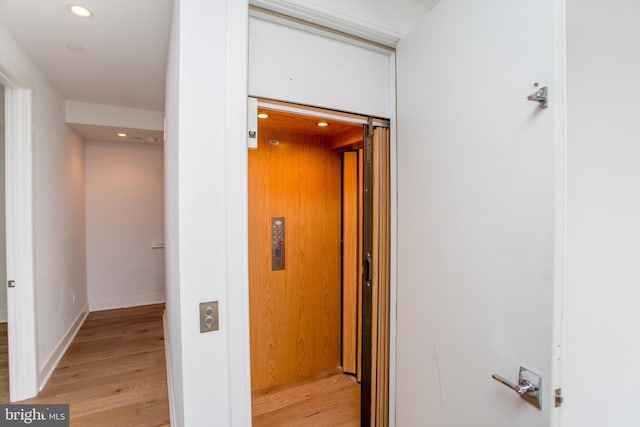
[122, 134]
[263, 115]
[322, 124]
[80, 11]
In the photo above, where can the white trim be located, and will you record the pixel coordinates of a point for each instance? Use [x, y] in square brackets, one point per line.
[169, 363]
[393, 260]
[328, 18]
[325, 114]
[558, 99]
[298, 24]
[60, 350]
[109, 303]
[236, 213]
[252, 123]
[23, 360]
[3, 316]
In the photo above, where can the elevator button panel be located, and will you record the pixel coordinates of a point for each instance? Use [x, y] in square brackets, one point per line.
[277, 243]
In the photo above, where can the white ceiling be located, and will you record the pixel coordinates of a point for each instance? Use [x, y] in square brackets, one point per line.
[125, 47]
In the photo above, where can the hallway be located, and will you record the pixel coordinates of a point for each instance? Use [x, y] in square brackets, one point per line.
[114, 373]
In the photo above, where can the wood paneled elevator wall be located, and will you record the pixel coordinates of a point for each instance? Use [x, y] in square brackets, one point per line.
[296, 312]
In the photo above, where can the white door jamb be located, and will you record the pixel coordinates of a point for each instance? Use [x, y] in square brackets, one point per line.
[23, 364]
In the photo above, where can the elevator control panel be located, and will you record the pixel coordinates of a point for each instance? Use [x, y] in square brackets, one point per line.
[277, 243]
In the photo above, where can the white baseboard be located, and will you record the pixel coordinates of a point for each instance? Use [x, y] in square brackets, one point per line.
[61, 349]
[167, 351]
[3, 316]
[109, 303]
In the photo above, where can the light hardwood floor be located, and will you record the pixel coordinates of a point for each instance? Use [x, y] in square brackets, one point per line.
[4, 364]
[330, 399]
[114, 372]
[114, 375]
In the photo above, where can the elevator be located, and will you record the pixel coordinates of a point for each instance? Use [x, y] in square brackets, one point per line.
[310, 272]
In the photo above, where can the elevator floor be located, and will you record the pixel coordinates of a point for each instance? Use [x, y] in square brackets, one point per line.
[328, 399]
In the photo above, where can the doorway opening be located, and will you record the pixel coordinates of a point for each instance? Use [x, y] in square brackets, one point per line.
[316, 344]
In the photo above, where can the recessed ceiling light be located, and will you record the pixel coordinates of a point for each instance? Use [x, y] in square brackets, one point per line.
[75, 47]
[322, 124]
[80, 11]
[122, 134]
[263, 115]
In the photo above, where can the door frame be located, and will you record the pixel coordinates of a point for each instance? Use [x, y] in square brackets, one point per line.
[328, 23]
[328, 113]
[21, 320]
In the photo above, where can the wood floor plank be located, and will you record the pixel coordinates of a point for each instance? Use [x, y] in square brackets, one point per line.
[4, 364]
[95, 370]
[298, 393]
[114, 372]
[325, 400]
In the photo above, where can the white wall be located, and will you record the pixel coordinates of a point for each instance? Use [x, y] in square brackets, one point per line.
[58, 156]
[293, 65]
[3, 237]
[601, 347]
[205, 229]
[124, 218]
[59, 229]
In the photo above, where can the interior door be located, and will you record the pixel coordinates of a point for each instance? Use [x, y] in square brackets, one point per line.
[476, 228]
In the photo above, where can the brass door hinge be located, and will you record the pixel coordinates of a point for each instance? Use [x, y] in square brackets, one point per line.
[559, 398]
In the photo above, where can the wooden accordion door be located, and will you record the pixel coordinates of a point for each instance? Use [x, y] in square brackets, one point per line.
[376, 279]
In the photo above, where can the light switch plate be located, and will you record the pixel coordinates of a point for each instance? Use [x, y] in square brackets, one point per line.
[209, 316]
